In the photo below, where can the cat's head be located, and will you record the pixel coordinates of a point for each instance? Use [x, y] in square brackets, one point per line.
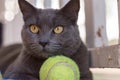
[49, 32]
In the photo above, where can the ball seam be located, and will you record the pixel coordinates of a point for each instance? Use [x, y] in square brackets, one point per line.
[66, 64]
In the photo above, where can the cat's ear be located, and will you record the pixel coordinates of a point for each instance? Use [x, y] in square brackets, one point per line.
[71, 9]
[26, 8]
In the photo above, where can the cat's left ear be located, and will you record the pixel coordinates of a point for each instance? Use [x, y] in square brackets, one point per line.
[26, 8]
[71, 9]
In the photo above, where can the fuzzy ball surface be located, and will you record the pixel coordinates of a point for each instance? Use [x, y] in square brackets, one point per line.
[59, 68]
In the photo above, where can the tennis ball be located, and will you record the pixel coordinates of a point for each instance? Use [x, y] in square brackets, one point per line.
[59, 68]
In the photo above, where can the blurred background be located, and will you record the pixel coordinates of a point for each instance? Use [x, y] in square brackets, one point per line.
[93, 15]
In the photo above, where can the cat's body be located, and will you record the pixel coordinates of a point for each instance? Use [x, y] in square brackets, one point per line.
[47, 33]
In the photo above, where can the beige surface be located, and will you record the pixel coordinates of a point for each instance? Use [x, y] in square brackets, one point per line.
[106, 74]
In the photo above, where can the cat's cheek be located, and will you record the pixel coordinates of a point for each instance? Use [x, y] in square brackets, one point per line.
[28, 37]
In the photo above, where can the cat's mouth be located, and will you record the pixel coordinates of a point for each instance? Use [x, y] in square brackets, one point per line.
[51, 49]
[44, 51]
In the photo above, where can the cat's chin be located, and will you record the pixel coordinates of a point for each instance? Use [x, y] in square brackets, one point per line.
[47, 52]
[44, 54]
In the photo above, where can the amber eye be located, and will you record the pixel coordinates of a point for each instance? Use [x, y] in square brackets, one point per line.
[58, 29]
[34, 29]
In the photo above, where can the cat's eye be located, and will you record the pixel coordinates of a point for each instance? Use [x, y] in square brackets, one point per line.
[34, 29]
[58, 29]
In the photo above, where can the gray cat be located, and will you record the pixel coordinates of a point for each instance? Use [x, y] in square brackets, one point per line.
[46, 32]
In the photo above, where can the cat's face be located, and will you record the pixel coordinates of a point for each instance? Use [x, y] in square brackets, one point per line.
[50, 32]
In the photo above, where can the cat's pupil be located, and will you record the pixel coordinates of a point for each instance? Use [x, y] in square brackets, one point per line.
[57, 29]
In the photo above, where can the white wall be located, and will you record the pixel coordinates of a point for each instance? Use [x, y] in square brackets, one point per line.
[12, 31]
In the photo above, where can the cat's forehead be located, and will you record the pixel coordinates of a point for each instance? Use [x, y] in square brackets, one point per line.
[47, 12]
[46, 16]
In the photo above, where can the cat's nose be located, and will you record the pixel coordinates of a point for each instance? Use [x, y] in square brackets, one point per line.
[43, 43]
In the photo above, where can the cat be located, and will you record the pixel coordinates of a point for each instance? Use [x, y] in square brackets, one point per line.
[46, 33]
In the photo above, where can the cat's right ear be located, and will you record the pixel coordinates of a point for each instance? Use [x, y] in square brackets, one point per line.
[26, 8]
[71, 10]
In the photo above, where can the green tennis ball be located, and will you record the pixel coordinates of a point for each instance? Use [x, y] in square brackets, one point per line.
[59, 68]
